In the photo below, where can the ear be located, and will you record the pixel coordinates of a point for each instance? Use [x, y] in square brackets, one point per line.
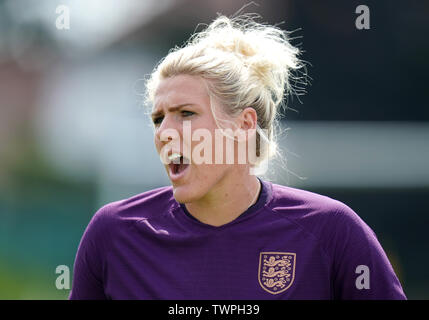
[248, 119]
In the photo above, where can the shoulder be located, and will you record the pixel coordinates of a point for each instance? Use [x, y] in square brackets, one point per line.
[143, 205]
[303, 205]
[320, 215]
[113, 220]
[288, 197]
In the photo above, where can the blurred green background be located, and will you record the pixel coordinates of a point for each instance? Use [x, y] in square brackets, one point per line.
[74, 135]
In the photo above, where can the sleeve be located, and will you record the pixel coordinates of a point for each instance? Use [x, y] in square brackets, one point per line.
[88, 268]
[361, 269]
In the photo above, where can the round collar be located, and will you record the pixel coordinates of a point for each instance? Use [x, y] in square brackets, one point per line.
[181, 213]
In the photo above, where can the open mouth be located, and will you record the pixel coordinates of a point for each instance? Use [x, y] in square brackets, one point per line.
[178, 165]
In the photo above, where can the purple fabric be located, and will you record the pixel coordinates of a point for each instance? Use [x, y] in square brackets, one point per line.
[291, 244]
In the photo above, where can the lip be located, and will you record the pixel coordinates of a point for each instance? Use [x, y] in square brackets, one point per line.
[177, 176]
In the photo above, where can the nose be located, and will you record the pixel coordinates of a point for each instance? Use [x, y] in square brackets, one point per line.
[168, 130]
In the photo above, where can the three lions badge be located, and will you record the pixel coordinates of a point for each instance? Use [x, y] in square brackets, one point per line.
[276, 271]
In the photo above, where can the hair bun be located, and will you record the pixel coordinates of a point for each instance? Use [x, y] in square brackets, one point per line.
[264, 49]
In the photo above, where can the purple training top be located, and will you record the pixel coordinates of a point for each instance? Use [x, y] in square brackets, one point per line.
[291, 244]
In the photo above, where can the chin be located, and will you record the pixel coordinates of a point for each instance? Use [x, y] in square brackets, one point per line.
[183, 194]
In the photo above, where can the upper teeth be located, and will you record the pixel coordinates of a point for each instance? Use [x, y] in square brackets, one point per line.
[174, 156]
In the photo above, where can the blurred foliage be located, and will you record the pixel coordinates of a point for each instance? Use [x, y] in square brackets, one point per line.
[43, 217]
[357, 76]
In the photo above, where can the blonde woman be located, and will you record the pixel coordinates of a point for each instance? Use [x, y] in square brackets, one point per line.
[220, 231]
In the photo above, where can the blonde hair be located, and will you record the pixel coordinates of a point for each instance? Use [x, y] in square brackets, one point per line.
[246, 64]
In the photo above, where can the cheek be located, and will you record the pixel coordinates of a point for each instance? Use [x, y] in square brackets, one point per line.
[158, 144]
[208, 174]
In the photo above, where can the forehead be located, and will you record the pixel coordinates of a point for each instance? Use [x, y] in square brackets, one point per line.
[181, 89]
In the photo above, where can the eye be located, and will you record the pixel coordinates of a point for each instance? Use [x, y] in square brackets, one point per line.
[157, 120]
[187, 113]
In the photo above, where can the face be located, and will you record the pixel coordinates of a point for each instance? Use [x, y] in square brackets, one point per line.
[178, 99]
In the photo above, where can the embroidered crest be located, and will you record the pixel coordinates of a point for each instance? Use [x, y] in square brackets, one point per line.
[276, 271]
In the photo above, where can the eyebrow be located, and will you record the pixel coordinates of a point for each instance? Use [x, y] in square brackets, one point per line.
[158, 113]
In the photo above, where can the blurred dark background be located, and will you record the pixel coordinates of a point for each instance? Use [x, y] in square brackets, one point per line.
[74, 134]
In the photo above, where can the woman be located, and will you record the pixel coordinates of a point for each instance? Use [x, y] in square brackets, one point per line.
[220, 232]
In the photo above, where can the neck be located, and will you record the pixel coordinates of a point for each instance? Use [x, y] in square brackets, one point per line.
[228, 199]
